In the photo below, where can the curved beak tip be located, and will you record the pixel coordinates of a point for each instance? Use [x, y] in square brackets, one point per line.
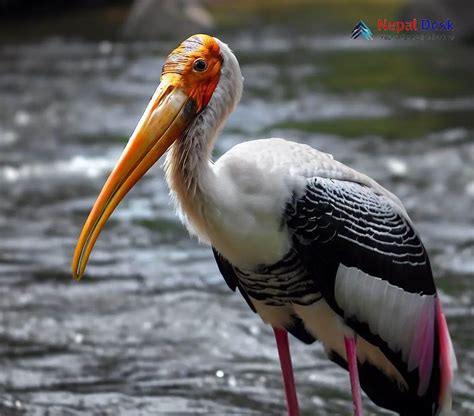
[77, 275]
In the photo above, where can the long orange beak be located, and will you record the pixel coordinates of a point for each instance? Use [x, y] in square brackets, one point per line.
[166, 117]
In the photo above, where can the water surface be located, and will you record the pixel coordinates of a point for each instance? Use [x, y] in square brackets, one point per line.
[153, 329]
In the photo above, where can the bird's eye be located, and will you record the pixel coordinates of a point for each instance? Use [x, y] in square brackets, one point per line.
[200, 65]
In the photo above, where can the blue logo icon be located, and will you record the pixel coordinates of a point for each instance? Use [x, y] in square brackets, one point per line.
[361, 30]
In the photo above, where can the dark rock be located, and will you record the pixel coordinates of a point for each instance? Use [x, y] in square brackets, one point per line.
[170, 19]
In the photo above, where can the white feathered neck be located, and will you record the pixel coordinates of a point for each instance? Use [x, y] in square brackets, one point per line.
[188, 164]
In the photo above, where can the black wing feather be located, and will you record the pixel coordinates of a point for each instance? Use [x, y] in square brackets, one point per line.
[226, 269]
[337, 222]
[228, 273]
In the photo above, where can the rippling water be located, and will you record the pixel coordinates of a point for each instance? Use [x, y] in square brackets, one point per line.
[153, 329]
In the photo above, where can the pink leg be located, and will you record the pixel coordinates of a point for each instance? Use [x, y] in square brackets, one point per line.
[281, 337]
[351, 352]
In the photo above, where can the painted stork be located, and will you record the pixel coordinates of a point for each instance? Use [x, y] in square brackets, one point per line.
[316, 248]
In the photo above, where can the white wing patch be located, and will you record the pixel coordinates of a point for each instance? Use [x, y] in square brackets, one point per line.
[405, 321]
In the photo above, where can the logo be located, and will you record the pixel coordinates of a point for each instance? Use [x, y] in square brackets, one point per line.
[411, 29]
[361, 30]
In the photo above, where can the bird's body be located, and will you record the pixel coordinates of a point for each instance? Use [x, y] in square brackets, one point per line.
[255, 184]
[315, 247]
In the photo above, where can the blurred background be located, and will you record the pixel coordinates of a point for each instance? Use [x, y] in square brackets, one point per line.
[153, 329]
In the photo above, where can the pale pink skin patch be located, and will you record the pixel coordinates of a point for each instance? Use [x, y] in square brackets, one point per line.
[445, 349]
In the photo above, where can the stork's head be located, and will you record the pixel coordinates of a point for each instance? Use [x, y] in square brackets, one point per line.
[199, 75]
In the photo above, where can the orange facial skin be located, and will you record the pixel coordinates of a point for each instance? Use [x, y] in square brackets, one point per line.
[182, 70]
